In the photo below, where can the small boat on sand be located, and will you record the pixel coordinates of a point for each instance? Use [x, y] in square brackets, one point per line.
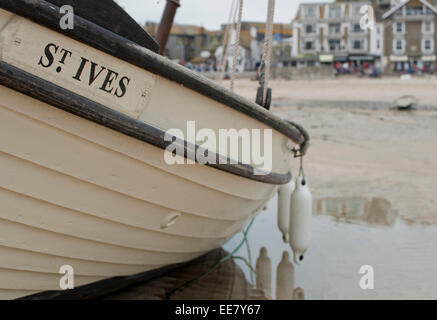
[83, 181]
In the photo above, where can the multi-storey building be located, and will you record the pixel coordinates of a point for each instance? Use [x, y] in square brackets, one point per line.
[251, 44]
[410, 36]
[331, 32]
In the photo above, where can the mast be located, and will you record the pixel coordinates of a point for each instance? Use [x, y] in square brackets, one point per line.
[166, 23]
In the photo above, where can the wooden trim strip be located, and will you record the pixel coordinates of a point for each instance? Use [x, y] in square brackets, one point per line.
[71, 102]
[47, 14]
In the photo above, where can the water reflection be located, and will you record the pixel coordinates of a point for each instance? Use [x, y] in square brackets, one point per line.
[375, 211]
[285, 280]
[285, 289]
[226, 282]
[347, 234]
[264, 273]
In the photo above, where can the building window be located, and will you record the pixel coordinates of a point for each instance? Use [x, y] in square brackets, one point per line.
[398, 27]
[310, 12]
[414, 10]
[427, 27]
[334, 45]
[310, 28]
[378, 44]
[335, 12]
[309, 45]
[334, 28]
[427, 45]
[356, 28]
[356, 11]
[357, 44]
[398, 46]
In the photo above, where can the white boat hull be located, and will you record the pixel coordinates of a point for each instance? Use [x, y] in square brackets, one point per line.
[70, 199]
[77, 193]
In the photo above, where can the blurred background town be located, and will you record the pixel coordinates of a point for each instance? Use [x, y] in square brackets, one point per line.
[323, 39]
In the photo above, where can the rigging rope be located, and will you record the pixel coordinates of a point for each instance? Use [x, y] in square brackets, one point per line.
[221, 65]
[236, 44]
[267, 50]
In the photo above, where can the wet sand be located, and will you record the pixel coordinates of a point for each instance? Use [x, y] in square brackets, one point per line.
[357, 151]
[346, 88]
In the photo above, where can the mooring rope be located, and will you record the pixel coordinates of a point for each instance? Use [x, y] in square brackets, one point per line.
[215, 266]
[231, 19]
[267, 50]
[249, 257]
[236, 44]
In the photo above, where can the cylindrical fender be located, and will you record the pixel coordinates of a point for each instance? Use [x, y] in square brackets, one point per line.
[284, 194]
[301, 206]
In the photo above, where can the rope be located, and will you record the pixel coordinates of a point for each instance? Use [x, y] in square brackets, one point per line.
[302, 171]
[214, 267]
[221, 65]
[267, 50]
[236, 44]
[231, 23]
[249, 257]
[248, 264]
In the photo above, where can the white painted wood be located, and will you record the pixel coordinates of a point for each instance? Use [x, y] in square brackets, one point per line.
[77, 193]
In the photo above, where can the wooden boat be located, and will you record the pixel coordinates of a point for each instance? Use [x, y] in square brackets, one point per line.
[83, 181]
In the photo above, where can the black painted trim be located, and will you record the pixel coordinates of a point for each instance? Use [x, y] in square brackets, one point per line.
[95, 36]
[71, 102]
[108, 14]
[104, 287]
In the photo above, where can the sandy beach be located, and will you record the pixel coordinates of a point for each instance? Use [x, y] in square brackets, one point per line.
[347, 88]
[366, 150]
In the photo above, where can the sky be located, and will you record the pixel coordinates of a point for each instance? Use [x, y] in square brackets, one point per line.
[210, 13]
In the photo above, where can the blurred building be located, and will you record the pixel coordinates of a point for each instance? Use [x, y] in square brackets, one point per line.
[326, 33]
[251, 44]
[410, 36]
[185, 42]
[194, 45]
[402, 39]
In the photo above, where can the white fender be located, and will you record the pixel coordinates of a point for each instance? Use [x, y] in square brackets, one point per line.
[301, 207]
[285, 278]
[264, 272]
[284, 194]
